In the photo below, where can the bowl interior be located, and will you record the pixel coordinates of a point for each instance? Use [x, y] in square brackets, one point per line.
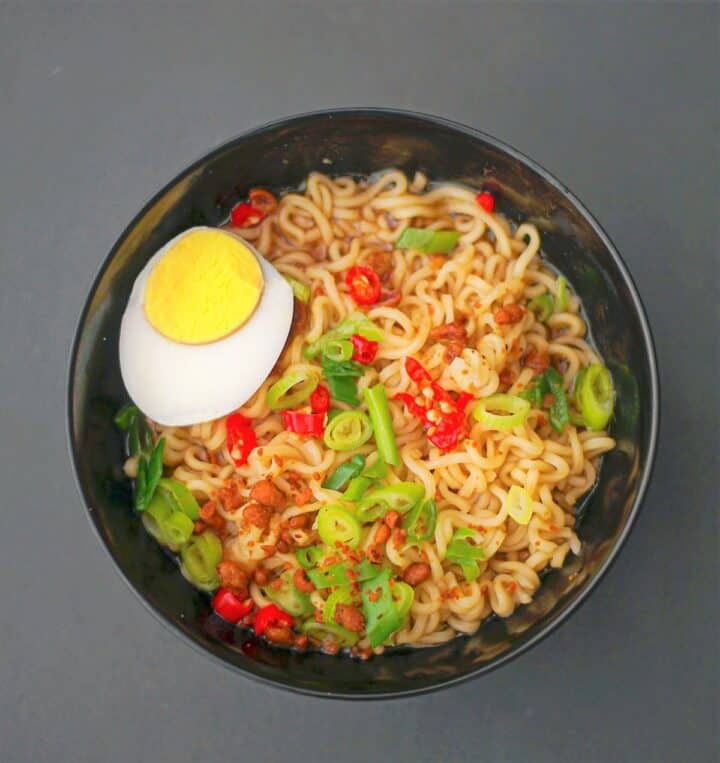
[363, 142]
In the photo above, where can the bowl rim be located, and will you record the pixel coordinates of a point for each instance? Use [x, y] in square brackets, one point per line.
[647, 466]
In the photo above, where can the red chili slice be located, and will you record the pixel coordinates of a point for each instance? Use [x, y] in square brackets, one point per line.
[442, 415]
[244, 215]
[304, 423]
[271, 615]
[241, 438]
[486, 201]
[320, 399]
[364, 285]
[416, 372]
[231, 607]
[365, 349]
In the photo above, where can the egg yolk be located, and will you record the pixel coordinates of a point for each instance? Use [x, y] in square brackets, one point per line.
[203, 288]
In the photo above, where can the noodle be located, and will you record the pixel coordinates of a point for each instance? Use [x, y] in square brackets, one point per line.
[315, 236]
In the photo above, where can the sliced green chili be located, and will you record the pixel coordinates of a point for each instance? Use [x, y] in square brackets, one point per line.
[403, 596]
[382, 617]
[347, 431]
[293, 389]
[464, 553]
[341, 595]
[329, 577]
[344, 473]
[428, 241]
[421, 521]
[288, 597]
[199, 557]
[323, 631]
[337, 525]
[514, 411]
[543, 306]
[377, 405]
[309, 556]
[365, 570]
[401, 496]
[595, 395]
[300, 290]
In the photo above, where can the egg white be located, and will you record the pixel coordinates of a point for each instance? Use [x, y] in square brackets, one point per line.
[178, 384]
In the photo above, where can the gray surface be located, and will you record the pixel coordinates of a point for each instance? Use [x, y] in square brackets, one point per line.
[101, 104]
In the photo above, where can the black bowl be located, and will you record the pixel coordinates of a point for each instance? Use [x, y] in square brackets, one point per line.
[362, 141]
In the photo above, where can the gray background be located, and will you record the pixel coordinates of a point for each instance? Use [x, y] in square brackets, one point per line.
[101, 104]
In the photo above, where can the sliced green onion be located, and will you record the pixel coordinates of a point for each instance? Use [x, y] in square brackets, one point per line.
[338, 350]
[158, 512]
[125, 416]
[377, 404]
[329, 631]
[543, 306]
[345, 367]
[357, 487]
[355, 323]
[595, 395]
[347, 431]
[154, 470]
[179, 497]
[341, 595]
[337, 525]
[401, 496]
[428, 241]
[561, 298]
[519, 504]
[170, 528]
[421, 521]
[294, 388]
[376, 471]
[344, 473]
[558, 413]
[549, 383]
[343, 389]
[514, 411]
[140, 484]
[300, 290]
[382, 618]
[289, 598]
[199, 557]
[329, 577]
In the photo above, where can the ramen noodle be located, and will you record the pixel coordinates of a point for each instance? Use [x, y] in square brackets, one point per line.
[482, 351]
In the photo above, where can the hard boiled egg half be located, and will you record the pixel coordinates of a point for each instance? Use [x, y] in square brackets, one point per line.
[206, 322]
